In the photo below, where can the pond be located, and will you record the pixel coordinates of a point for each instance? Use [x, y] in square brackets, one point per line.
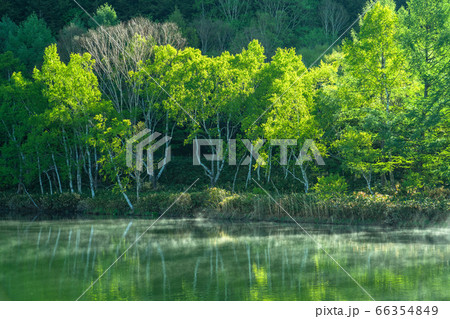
[198, 259]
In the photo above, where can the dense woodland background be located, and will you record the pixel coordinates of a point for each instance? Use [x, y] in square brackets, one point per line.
[376, 106]
[212, 25]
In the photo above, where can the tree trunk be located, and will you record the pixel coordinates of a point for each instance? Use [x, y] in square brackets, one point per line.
[138, 184]
[68, 162]
[237, 171]
[269, 166]
[57, 172]
[122, 190]
[91, 177]
[77, 156]
[305, 178]
[368, 178]
[391, 174]
[96, 169]
[40, 173]
[49, 182]
[249, 175]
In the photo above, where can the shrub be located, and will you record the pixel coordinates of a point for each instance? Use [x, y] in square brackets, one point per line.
[65, 202]
[159, 202]
[258, 191]
[439, 193]
[20, 202]
[330, 186]
[182, 206]
[238, 204]
[413, 182]
[210, 198]
[153, 202]
[104, 204]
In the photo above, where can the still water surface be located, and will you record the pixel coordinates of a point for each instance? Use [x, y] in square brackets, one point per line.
[203, 260]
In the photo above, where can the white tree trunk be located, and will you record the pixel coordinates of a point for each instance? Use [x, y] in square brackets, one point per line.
[49, 182]
[91, 177]
[77, 156]
[249, 175]
[68, 162]
[40, 173]
[57, 172]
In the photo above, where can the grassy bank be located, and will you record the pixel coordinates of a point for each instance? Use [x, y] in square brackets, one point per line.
[217, 203]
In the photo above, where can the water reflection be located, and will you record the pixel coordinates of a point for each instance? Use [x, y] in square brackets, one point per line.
[201, 260]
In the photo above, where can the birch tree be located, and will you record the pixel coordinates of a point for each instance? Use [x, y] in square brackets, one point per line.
[376, 82]
[209, 93]
[334, 18]
[291, 115]
[73, 93]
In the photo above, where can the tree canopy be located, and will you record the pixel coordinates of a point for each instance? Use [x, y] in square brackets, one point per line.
[376, 108]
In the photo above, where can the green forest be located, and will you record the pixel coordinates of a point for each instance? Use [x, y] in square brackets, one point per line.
[73, 90]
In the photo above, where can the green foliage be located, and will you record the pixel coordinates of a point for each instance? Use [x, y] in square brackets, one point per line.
[73, 87]
[108, 138]
[375, 89]
[376, 108]
[187, 30]
[7, 29]
[212, 197]
[231, 24]
[413, 182]
[426, 38]
[182, 204]
[8, 65]
[425, 34]
[358, 153]
[330, 186]
[30, 40]
[20, 101]
[105, 16]
[258, 191]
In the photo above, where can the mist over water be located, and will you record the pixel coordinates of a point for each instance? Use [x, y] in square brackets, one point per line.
[204, 260]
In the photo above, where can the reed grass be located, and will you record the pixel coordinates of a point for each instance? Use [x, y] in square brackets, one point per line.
[216, 203]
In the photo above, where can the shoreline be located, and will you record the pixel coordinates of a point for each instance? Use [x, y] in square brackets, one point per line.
[221, 205]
